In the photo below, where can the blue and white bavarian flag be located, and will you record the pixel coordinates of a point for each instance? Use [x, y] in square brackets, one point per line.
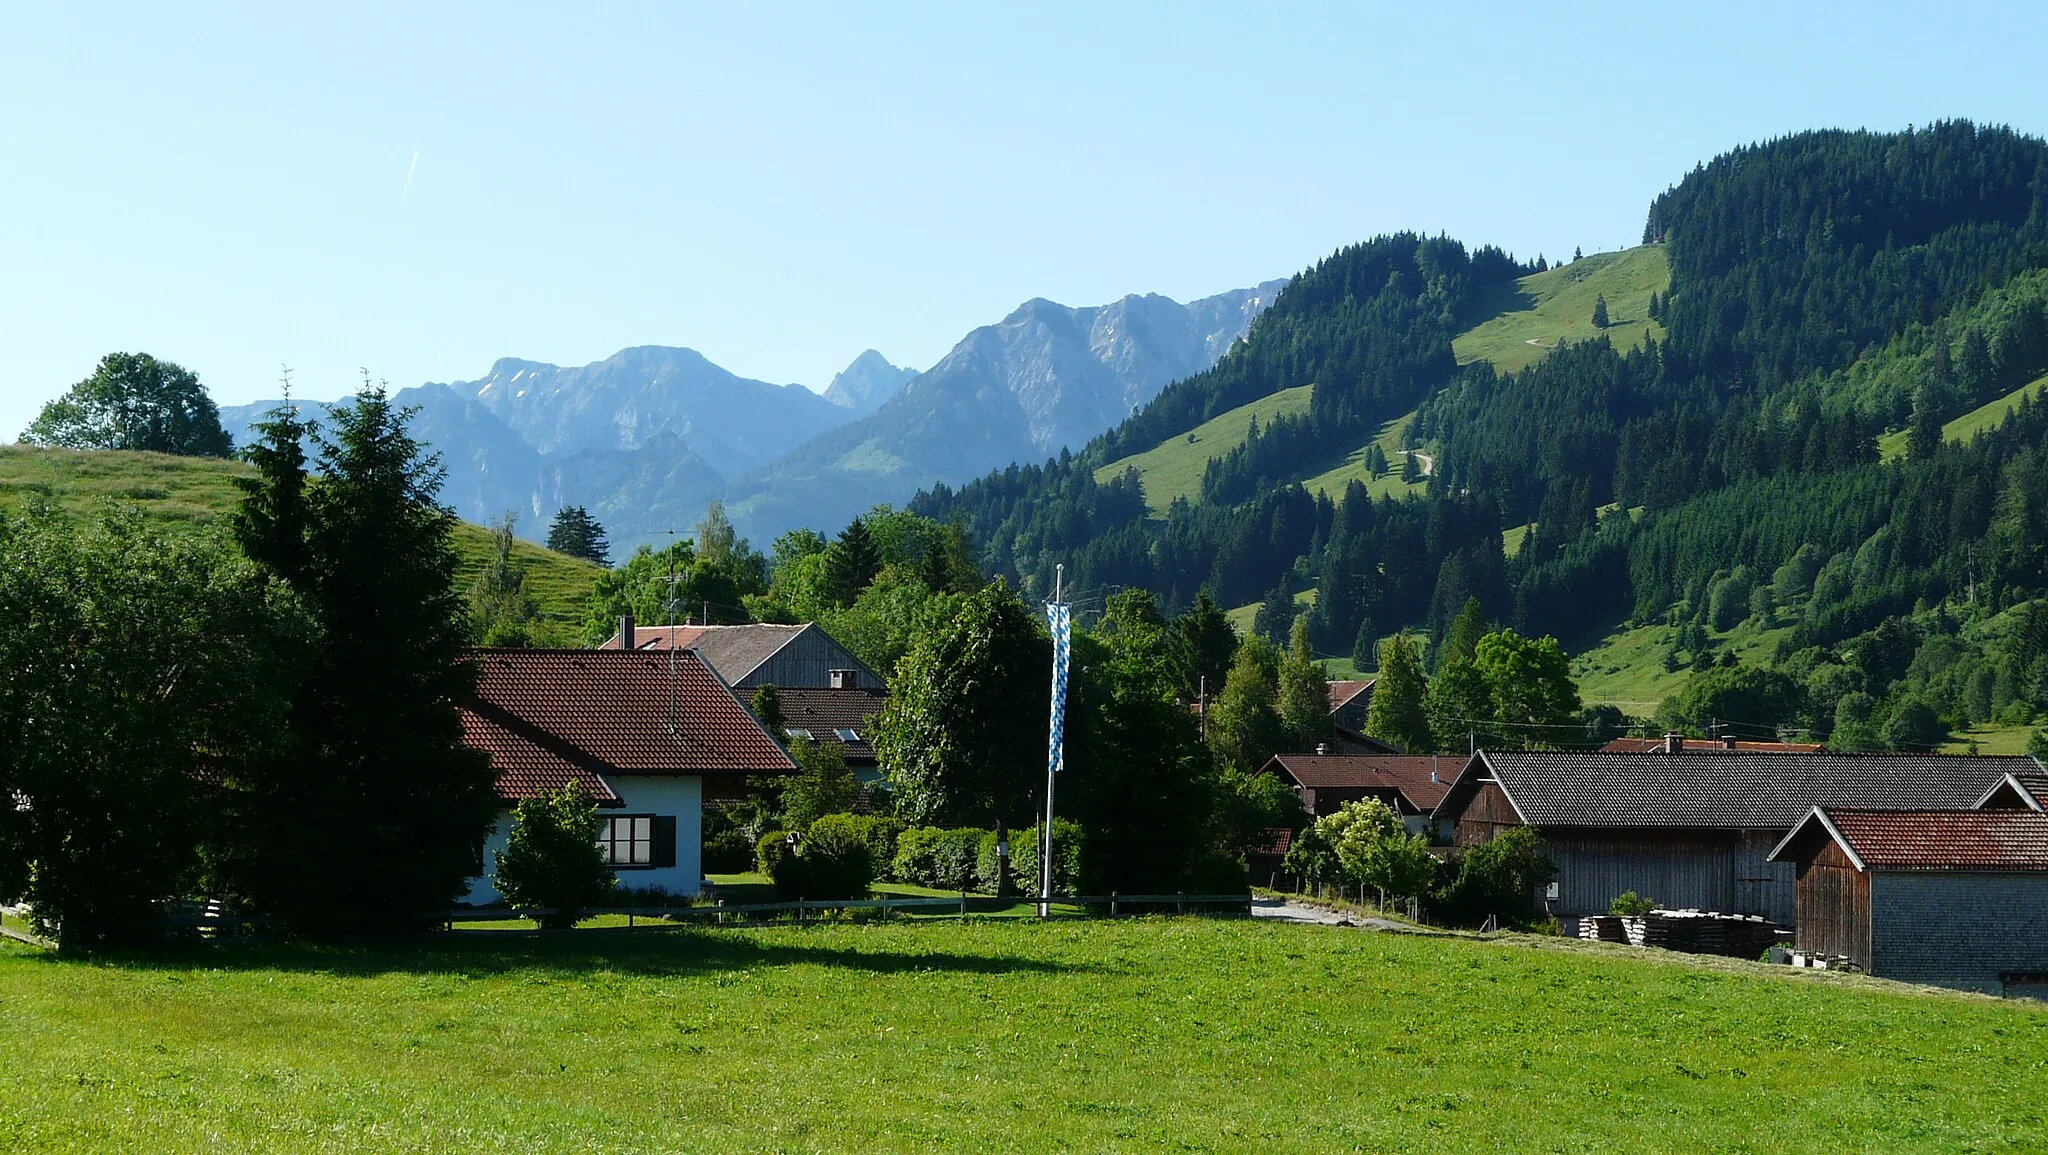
[1058, 614]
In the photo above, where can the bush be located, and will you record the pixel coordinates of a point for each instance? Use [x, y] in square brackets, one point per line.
[832, 861]
[880, 832]
[1629, 904]
[1217, 873]
[1068, 848]
[770, 851]
[989, 868]
[1496, 878]
[944, 859]
[551, 860]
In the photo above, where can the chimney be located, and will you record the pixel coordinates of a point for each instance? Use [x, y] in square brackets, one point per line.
[840, 679]
[1674, 743]
[1322, 748]
[626, 639]
[1728, 743]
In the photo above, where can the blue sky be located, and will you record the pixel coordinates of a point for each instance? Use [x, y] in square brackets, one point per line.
[422, 192]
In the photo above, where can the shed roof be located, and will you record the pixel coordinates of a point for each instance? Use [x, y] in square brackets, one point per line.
[1990, 840]
[611, 712]
[1422, 780]
[2019, 790]
[1343, 691]
[734, 651]
[1732, 790]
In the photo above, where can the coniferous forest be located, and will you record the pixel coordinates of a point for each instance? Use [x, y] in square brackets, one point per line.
[1826, 289]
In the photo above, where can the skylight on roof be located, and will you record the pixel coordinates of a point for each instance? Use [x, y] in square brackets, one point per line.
[847, 734]
[800, 734]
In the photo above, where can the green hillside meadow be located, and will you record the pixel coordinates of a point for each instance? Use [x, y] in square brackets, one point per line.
[1985, 417]
[197, 491]
[1513, 325]
[1000, 1035]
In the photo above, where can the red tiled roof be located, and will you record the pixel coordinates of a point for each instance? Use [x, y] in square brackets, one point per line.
[826, 712]
[610, 711]
[1422, 779]
[1713, 746]
[1279, 840]
[1342, 692]
[526, 767]
[1943, 839]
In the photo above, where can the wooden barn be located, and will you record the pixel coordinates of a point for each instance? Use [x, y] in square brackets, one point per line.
[1693, 831]
[749, 657]
[1951, 898]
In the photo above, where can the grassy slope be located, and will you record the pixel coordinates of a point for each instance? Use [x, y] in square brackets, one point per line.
[1542, 307]
[1625, 668]
[1558, 304]
[193, 492]
[1985, 417]
[1173, 468]
[1000, 1035]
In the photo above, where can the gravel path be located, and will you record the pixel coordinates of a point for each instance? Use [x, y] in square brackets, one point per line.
[1286, 911]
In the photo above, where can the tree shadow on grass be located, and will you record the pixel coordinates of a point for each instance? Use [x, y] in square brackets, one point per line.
[663, 953]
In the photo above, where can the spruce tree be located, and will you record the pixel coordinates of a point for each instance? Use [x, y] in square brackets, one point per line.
[851, 563]
[578, 534]
[1923, 435]
[371, 815]
[1396, 715]
[1304, 693]
[1462, 640]
[1211, 644]
[1244, 727]
[1600, 311]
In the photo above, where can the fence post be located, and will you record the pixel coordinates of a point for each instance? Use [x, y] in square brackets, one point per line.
[1180, 902]
[963, 904]
[1112, 904]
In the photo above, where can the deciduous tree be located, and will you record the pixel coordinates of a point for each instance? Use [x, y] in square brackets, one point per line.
[134, 401]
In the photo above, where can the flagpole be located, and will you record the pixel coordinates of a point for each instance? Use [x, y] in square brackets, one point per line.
[1056, 745]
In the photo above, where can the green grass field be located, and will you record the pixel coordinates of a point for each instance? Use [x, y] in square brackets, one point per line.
[1173, 468]
[1333, 480]
[1625, 667]
[999, 1035]
[1516, 323]
[191, 492]
[1984, 418]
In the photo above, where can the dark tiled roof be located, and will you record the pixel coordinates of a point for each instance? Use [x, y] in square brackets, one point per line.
[614, 708]
[1421, 779]
[1716, 746]
[1727, 791]
[825, 712]
[1943, 840]
[1342, 692]
[526, 764]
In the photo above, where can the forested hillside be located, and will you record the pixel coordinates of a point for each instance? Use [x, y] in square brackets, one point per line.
[1824, 288]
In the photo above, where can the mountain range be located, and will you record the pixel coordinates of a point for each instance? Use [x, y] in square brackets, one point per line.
[647, 437]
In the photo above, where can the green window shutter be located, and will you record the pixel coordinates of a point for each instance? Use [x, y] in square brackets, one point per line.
[664, 840]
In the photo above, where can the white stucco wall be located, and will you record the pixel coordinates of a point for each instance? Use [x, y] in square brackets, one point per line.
[678, 798]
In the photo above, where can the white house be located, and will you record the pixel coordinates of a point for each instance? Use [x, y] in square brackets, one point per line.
[647, 733]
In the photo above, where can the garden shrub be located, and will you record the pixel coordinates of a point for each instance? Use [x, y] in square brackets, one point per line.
[770, 851]
[832, 861]
[1068, 848]
[1217, 873]
[1629, 904]
[1496, 878]
[551, 859]
[941, 858]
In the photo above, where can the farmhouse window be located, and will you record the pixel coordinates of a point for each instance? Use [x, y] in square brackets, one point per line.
[638, 841]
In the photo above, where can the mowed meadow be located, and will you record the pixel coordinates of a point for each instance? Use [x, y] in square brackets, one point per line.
[998, 1035]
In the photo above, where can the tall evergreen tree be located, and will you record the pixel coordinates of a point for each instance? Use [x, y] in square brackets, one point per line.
[1244, 727]
[1396, 715]
[1211, 644]
[371, 814]
[851, 563]
[578, 534]
[1462, 641]
[1923, 434]
[1600, 311]
[1304, 693]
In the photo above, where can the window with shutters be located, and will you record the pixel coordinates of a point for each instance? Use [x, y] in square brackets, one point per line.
[627, 840]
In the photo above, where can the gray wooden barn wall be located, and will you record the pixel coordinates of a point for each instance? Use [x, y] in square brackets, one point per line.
[806, 663]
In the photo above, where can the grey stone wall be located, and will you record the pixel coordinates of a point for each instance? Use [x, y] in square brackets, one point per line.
[1957, 929]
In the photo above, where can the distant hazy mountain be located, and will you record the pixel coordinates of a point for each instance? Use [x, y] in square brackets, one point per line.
[645, 438]
[1046, 377]
[863, 386]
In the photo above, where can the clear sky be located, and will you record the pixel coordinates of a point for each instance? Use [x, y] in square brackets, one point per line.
[422, 189]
